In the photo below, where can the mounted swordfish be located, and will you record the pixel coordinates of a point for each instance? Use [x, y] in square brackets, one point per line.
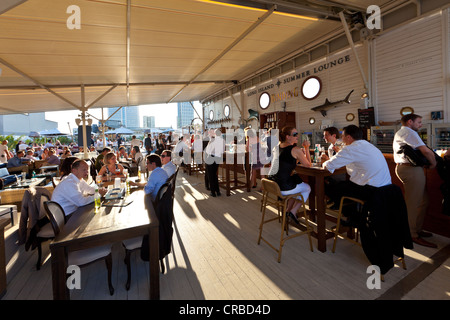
[329, 105]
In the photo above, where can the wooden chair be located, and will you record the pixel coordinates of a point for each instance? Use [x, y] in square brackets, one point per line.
[57, 217]
[337, 230]
[342, 233]
[134, 244]
[271, 189]
[55, 181]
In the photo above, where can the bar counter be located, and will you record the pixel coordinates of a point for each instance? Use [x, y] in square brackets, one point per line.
[435, 221]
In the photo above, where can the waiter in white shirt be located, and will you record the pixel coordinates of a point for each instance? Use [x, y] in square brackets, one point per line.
[214, 156]
[365, 165]
[73, 191]
[413, 178]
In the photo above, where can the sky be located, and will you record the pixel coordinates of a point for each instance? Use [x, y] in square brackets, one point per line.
[165, 115]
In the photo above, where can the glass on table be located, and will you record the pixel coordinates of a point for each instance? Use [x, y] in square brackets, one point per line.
[98, 180]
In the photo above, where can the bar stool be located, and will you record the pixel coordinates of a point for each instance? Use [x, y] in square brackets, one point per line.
[338, 225]
[337, 233]
[271, 188]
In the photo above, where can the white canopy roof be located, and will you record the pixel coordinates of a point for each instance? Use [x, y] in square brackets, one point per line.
[140, 52]
[121, 130]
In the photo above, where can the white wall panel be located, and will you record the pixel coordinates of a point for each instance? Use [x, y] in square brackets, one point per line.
[408, 69]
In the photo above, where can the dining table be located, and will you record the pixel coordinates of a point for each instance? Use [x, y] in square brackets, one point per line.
[87, 228]
[315, 177]
[27, 183]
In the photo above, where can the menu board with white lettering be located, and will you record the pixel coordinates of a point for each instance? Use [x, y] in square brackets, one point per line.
[366, 117]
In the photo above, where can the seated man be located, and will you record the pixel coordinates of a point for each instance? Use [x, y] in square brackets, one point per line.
[122, 153]
[157, 176]
[365, 165]
[18, 160]
[52, 158]
[137, 159]
[331, 135]
[99, 161]
[73, 191]
[167, 164]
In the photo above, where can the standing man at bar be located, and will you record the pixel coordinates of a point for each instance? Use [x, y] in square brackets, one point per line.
[214, 156]
[413, 178]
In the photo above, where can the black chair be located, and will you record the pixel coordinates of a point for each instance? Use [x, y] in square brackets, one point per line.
[43, 229]
[134, 244]
[57, 217]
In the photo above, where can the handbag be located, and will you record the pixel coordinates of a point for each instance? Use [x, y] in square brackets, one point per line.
[415, 156]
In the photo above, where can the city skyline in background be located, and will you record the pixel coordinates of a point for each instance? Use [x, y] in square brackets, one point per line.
[166, 115]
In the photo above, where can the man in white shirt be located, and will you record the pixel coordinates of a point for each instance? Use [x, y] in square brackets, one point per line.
[331, 135]
[73, 191]
[135, 142]
[214, 156]
[181, 152]
[413, 178]
[365, 165]
[138, 159]
[4, 152]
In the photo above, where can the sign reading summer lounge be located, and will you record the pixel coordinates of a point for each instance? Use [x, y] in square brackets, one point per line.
[287, 94]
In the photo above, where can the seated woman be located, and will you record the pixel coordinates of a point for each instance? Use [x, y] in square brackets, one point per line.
[284, 162]
[66, 166]
[111, 167]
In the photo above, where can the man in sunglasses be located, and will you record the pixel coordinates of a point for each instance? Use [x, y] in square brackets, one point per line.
[167, 164]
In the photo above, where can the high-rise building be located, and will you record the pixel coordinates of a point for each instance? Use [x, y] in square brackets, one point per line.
[185, 114]
[22, 124]
[128, 116]
[149, 122]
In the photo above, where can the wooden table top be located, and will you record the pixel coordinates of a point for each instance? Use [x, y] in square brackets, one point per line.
[318, 171]
[85, 225]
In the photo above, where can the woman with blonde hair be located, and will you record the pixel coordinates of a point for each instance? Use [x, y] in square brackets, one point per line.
[111, 167]
[286, 157]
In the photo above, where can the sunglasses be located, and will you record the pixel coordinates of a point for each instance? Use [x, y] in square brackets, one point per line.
[163, 156]
[294, 134]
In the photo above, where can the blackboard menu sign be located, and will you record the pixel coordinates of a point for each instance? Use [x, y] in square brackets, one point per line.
[366, 117]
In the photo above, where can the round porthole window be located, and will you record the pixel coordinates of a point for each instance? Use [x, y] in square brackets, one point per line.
[264, 100]
[226, 111]
[211, 115]
[311, 88]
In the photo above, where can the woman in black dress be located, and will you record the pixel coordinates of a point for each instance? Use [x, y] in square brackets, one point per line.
[286, 157]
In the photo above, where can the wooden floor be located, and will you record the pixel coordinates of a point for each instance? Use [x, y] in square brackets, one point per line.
[215, 256]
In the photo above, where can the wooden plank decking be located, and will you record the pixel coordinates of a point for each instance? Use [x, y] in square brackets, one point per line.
[215, 257]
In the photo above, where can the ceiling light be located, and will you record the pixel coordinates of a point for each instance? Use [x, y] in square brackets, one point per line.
[293, 15]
